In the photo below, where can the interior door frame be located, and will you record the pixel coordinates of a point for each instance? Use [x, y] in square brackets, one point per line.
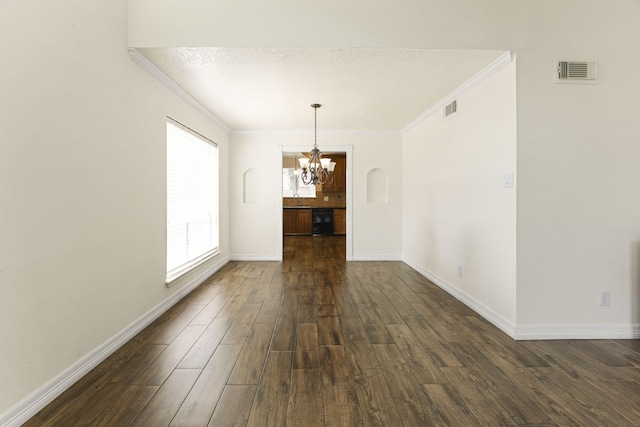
[348, 150]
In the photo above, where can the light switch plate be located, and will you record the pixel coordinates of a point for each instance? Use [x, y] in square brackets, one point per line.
[507, 180]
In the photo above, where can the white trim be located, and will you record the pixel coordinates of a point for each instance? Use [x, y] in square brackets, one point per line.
[190, 131]
[255, 257]
[499, 321]
[577, 332]
[33, 403]
[280, 246]
[187, 268]
[534, 331]
[377, 257]
[349, 202]
[150, 68]
[501, 62]
[320, 132]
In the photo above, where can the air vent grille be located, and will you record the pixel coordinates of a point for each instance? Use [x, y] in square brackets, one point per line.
[576, 71]
[451, 108]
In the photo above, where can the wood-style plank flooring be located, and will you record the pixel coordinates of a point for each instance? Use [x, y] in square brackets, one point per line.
[318, 341]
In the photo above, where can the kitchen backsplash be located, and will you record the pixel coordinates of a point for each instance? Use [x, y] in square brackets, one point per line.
[336, 200]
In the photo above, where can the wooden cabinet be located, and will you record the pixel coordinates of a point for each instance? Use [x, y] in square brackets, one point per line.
[289, 221]
[339, 221]
[339, 182]
[296, 221]
[304, 221]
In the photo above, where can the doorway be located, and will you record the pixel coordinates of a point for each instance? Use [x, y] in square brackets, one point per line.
[317, 220]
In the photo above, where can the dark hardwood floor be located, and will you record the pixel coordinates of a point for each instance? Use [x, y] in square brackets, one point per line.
[317, 341]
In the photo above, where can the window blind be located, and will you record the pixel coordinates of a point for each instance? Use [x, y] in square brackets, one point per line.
[192, 198]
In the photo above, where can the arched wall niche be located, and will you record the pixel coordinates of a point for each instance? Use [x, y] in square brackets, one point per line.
[252, 186]
[377, 189]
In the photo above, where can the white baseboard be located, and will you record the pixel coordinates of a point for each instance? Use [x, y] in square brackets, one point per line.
[361, 257]
[489, 314]
[377, 257]
[32, 404]
[255, 257]
[577, 332]
[534, 331]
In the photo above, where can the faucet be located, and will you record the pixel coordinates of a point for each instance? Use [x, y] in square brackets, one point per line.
[300, 201]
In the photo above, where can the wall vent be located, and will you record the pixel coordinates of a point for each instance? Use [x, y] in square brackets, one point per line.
[451, 109]
[576, 72]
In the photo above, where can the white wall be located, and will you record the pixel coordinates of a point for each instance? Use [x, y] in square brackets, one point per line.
[424, 24]
[82, 163]
[82, 187]
[256, 228]
[577, 220]
[579, 180]
[456, 211]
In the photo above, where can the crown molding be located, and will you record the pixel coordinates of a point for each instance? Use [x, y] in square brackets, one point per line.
[320, 132]
[499, 63]
[150, 68]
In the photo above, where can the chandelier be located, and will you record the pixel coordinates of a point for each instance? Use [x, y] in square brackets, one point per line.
[316, 169]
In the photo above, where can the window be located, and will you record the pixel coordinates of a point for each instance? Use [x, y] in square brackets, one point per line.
[192, 199]
[289, 189]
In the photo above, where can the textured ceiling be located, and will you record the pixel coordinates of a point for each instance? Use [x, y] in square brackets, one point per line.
[372, 89]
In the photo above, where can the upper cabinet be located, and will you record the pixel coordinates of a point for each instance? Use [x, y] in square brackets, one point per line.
[339, 182]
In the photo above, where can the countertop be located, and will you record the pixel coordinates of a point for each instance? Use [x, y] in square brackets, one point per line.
[313, 207]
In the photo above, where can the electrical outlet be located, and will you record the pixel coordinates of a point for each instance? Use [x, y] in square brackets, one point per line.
[604, 298]
[326, 198]
[460, 271]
